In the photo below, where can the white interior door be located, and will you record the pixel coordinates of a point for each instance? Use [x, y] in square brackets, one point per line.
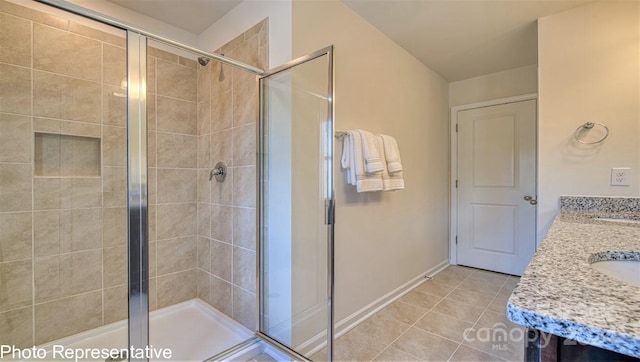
[496, 187]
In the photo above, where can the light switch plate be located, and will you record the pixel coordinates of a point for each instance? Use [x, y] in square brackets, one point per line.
[621, 176]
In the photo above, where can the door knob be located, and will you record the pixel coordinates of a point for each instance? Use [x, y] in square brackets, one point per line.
[531, 200]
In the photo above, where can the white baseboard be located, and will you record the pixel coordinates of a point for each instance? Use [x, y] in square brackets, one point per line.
[359, 316]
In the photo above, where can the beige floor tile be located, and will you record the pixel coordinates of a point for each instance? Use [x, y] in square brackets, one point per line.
[419, 299]
[499, 304]
[450, 277]
[394, 354]
[465, 312]
[383, 326]
[496, 335]
[444, 326]
[424, 345]
[434, 288]
[476, 299]
[403, 312]
[357, 345]
[482, 285]
[467, 354]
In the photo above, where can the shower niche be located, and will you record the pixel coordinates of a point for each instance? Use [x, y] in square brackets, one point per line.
[61, 155]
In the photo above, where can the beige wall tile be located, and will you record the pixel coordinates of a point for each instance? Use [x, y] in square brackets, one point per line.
[176, 116]
[46, 233]
[114, 65]
[222, 192]
[15, 138]
[86, 192]
[114, 186]
[204, 151]
[151, 149]
[153, 221]
[188, 62]
[153, 294]
[222, 147]
[232, 44]
[244, 227]
[244, 269]
[15, 238]
[58, 96]
[204, 82]
[151, 74]
[114, 39]
[15, 187]
[86, 229]
[115, 304]
[221, 260]
[244, 145]
[244, 308]
[177, 185]
[221, 111]
[204, 219]
[64, 317]
[247, 53]
[221, 78]
[15, 290]
[114, 226]
[114, 266]
[46, 125]
[114, 106]
[204, 255]
[204, 117]
[176, 220]
[222, 223]
[203, 286]
[244, 103]
[15, 89]
[114, 144]
[244, 186]
[15, 40]
[263, 57]
[221, 295]
[176, 288]
[176, 81]
[46, 193]
[152, 185]
[40, 17]
[64, 275]
[162, 54]
[174, 150]
[153, 260]
[59, 51]
[176, 255]
[151, 112]
[204, 185]
[16, 328]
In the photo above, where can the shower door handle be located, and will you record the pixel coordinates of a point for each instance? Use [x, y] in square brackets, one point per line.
[329, 212]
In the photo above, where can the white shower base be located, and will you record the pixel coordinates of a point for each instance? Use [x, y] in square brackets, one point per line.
[192, 330]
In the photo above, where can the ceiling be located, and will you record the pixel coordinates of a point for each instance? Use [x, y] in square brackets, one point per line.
[461, 39]
[458, 39]
[194, 16]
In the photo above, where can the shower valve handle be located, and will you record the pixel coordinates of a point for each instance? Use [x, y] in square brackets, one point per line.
[219, 172]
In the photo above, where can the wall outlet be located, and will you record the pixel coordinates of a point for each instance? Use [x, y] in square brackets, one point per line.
[620, 176]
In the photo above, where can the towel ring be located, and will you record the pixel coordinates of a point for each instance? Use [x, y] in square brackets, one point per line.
[588, 126]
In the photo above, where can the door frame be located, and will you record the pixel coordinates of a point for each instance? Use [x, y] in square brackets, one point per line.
[453, 169]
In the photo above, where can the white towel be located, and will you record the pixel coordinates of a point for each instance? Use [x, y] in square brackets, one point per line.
[353, 163]
[390, 182]
[371, 152]
[391, 153]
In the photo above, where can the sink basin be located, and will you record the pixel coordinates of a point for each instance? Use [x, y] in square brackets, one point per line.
[627, 271]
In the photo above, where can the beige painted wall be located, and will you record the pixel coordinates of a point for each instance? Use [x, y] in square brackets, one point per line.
[382, 239]
[588, 71]
[508, 83]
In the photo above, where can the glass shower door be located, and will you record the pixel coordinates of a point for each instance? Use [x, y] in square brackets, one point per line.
[295, 204]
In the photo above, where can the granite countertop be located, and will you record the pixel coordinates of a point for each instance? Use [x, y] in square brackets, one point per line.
[561, 294]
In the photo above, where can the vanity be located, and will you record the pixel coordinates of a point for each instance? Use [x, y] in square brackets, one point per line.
[580, 295]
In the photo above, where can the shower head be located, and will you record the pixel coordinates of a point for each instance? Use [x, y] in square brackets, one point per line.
[203, 61]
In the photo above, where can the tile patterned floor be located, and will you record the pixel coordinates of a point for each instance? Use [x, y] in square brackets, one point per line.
[459, 315]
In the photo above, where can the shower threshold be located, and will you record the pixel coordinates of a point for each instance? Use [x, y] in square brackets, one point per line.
[191, 331]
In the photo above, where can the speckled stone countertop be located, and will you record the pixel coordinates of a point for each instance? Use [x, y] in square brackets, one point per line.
[561, 294]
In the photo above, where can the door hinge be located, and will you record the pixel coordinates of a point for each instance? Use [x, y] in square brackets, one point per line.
[456, 183]
[456, 127]
[456, 239]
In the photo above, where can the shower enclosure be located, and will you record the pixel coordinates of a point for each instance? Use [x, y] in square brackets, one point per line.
[113, 235]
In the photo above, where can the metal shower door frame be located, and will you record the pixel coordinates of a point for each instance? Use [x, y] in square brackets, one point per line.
[329, 201]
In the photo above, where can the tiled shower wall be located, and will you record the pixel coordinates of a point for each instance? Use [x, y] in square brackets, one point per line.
[63, 221]
[62, 177]
[227, 101]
